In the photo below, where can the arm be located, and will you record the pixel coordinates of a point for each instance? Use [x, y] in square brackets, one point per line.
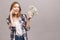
[8, 21]
[11, 18]
[28, 24]
[11, 23]
[28, 20]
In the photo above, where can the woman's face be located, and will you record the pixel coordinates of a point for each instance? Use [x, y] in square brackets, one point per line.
[16, 8]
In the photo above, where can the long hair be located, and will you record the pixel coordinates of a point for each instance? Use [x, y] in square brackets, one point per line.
[19, 8]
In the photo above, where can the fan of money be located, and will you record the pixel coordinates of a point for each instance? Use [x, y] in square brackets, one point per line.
[32, 10]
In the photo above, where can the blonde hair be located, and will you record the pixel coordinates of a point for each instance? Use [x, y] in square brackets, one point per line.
[19, 13]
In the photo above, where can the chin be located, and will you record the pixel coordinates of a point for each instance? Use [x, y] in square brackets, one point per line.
[16, 12]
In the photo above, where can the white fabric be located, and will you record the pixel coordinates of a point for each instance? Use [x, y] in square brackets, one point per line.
[18, 26]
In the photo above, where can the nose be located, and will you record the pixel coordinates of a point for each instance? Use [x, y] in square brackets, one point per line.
[16, 9]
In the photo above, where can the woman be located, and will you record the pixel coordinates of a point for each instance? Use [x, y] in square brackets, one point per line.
[18, 23]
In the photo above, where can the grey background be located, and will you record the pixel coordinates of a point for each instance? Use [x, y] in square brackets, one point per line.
[44, 26]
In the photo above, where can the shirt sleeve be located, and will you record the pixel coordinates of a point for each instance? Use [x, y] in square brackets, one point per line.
[25, 20]
[25, 17]
[8, 20]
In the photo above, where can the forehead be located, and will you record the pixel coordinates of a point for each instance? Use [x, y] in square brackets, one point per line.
[16, 5]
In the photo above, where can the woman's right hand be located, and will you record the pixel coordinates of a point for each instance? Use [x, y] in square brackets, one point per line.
[11, 12]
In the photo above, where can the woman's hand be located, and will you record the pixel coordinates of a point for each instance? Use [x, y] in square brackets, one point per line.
[11, 12]
[32, 11]
[30, 15]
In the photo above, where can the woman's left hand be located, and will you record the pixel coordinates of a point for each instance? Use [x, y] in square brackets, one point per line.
[30, 15]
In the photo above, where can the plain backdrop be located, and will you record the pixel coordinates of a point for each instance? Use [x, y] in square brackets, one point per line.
[44, 26]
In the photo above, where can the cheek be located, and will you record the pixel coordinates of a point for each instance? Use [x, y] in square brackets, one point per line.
[18, 9]
[14, 8]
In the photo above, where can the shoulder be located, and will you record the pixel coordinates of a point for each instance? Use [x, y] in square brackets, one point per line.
[24, 15]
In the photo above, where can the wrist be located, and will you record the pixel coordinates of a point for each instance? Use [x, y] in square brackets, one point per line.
[28, 18]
